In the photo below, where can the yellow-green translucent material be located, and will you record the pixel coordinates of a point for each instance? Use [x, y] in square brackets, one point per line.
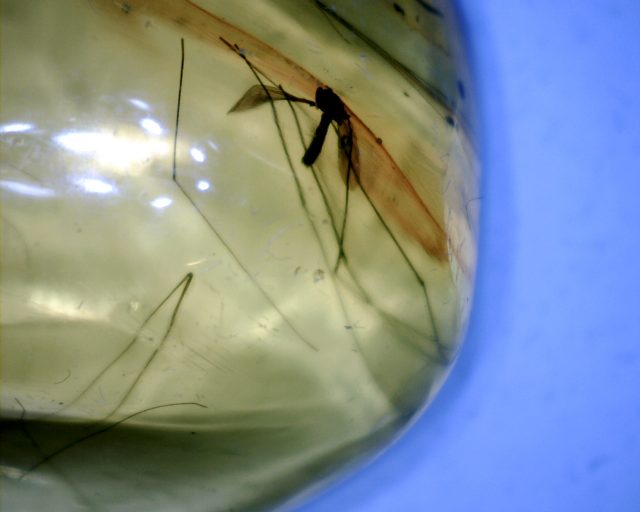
[191, 318]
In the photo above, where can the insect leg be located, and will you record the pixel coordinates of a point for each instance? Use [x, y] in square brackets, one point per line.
[313, 151]
[227, 247]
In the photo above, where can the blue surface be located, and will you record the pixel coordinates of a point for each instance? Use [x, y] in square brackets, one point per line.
[542, 411]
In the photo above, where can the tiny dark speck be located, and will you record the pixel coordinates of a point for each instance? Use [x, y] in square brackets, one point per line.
[398, 8]
[405, 93]
[450, 121]
[379, 140]
[461, 89]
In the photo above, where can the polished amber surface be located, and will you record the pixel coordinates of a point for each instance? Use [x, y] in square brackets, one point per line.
[191, 317]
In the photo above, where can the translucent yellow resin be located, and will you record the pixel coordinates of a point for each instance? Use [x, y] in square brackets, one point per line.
[191, 318]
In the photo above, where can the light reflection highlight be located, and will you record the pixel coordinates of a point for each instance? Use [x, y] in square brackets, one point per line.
[197, 155]
[151, 126]
[11, 472]
[68, 304]
[203, 185]
[95, 186]
[142, 105]
[161, 202]
[115, 151]
[83, 142]
[15, 127]
[25, 189]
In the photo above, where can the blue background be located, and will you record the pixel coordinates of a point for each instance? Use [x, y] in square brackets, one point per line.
[542, 410]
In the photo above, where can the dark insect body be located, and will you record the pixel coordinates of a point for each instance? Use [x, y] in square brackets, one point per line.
[332, 110]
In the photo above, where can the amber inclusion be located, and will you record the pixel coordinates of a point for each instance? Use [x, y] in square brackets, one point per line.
[193, 317]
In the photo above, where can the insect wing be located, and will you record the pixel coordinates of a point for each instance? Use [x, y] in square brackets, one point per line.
[256, 95]
[348, 154]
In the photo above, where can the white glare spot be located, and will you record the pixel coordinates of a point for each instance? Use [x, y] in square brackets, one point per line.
[213, 145]
[197, 155]
[203, 185]
[118, 151]
[151, 126]
[139, 103]
[15, 127]
[161, 202]
[25, 189]
[82, 142]
[95, 186]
